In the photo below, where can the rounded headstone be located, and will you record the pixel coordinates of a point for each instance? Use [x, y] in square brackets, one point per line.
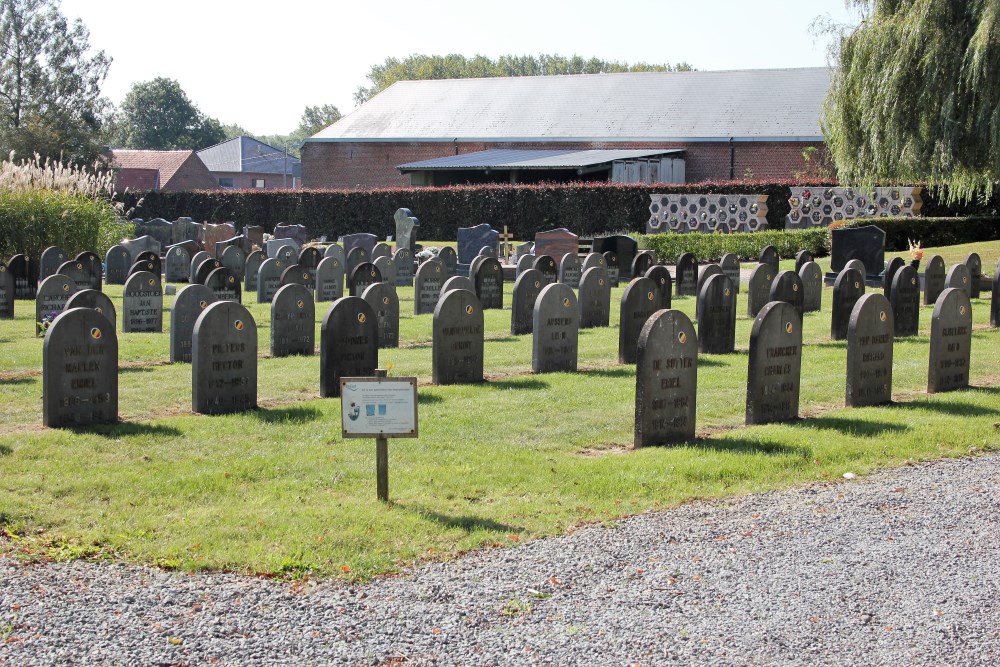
[556, 330]
[177, 265]
[660, 275]
[775, 364]
[570, 270]
[959, 278]
[296, 274]
[894, 265]
[614, 272]
[91, 298]
[117, 263]
[592, 260]
[48, 264]
[427, 286]
[142, 303]
[524, 262]
[934, 279]
[666, 380]
[527, 287]
[196, 261]
[336, 251]
[310, 258]
[717, 316]
[269, 279]
[387, 268]
[234, 258]
[488, 282]
[546, 265]
[50, 300]
[188, 305]
[951, 342]
[293, 321]
[904, 297]
[869, 352]
[595, 298]
[730, 265]
[381, 249]
[859, 266]
[639, 301]
[224, 360]
[641, 263]
[356, 256]
[449, 258]
[348, 343]
[847, 290]
[769, 255]
[80, 370]
[6, 292]
[384, 301]
[92, 264]
[975, 265]
[787, 287]
[457, 354]
[458, 282]
[362, 276]
[759, 288]
[225, 284]
[686, 275]
[812, 287]
[330, 279]
[251, 268]
[802, 257]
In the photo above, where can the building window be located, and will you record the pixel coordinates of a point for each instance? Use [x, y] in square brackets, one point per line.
[258, 183]
[225, 182]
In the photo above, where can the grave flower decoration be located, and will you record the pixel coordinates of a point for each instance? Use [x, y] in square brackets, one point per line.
[916, 252]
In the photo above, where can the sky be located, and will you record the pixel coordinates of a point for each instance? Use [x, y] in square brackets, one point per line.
[259, 64]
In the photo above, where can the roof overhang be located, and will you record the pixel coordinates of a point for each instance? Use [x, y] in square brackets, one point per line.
[557, 140]
[534, 159]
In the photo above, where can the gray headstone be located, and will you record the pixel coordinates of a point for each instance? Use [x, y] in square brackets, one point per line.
[177, 267]
[458, 282]
[145, 266]
[225, 284]
[959, 278]
[787, 287]
[812, 287]
[476, 261]
[995, 299]
[356, 257]
[336, 251]
[384, 301]
[639, 300]
[975, 265]
[802, 257]
[284, 249]
[951, 342]
[611, 260]
[592, 260]
[157, 228]
[717, 317]
[624, 248]
[50, 261]
[293, 322]
[361, 277]
[686, 277]
[94, 267]
[185, 229]
[269, 279]
[406, 236]
[91, 298]
[866, 244]
[775, 364]
[7, 293]
[348, 344]
[50, 300]
[556, 330]
[869, 352]
[894, 265]
[309, 258]
[524, 262]
[250, 270]
[523, 249]
[595, 298]
[205, 268]
[547, 267]
[403, 259]
[472, 239]
[905, 301]
[449, 258]
[527, 287]
[80, 370]
[859, 265]
[570, 270]
[387, 268]
[769, 256]
[660, 275]
[730, 265]
[365, 241]
[457, 354]
[224, 360]
[704, 273]
[381, 249]
[641, 263]
[934, 277]
[489, 283]
[299, 275]
[196, 260]
[25, 272]
[666, 380]
[142, 304]
[330, 279]
[235, 259]
[297, 233]
[427, 286]
[487, 251]
[188, 305]
[141, 244]
[847, 290]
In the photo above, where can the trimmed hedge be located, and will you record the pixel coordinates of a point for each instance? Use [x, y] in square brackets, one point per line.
[746, 246]
[931, 232]
[32, 220]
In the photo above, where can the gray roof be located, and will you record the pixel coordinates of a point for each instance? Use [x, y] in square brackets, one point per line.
[508, 158]
[772, 104]
[247, 155]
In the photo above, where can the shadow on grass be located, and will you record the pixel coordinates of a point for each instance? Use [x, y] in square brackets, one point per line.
[423, 398]
[616, 372]
[526, 383]
[127, 429]
[502, 339]
[861, 428]
[5, 450]
[747, 446]
[291, 415]
[465, 522]
[135, 369]
[14, 381]
[956, 408]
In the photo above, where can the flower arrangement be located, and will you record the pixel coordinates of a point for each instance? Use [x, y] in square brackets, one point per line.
[916, 252]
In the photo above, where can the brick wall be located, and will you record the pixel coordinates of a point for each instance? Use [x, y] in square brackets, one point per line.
[356, 165]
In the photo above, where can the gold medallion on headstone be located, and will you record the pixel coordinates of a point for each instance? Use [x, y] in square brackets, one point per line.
[151, 282]
[232, 279]
[789, 327]
[469, 310]
[882, 316]
[65, 287]
[95, 333]
[385, 301]
[566, 302]
[649, 295]
[856, 284]
[682, 337]
[362, 318]
[203, 303]
[961, 310]
[238, 324]
[538, 284]
[795, 288]
[913, 281]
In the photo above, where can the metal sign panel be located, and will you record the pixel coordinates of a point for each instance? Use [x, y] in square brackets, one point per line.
[373, 407]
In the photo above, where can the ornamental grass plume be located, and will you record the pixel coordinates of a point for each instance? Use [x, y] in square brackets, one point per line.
[96, 182]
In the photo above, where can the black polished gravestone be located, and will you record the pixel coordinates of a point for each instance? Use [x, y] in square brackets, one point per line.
[570, 270]
[309, 259]
[951, 342]
[204, 268]
[296, 274]
[639, 301]
[387, 268]
[869, 352]
[25, 272]
[293, 322]
[959, 278]
[975, 265]
[787, 287]
[77, 272]
[50, 261]
[143, 265]
[430, 278]
[457, 282]
[196, 260]
[545, 265]
[224, 360]
[384, 301]
[934, 277]
[488, 282]
[866, 244]
[50, 300]
[457, 355]
[904, 298]
[95, 269]
[717, 317]
[556, 330]
[704, 273]
[769, 255]
[527, 287]
[666, 380]
[348, 344]
[356, 257]
[234, 258]
[80, 370]
[812, 287]
[329, 279]
[188, 305]
[775, 364]
[730, 265]
[361, 277]
[660, 275]
[623, 247]
[847, 289]
[7, 293]
[142, 304]
[995, 299]
[225, 285]
[802, 257]
[686, 275]
[149, 258]
[403, 259]
[595, 298]
[449, 258]
[269, 279]
[251, 268]
[91, 298]
[177, 265]
[894, 265]
[641, 263]
[611, 260]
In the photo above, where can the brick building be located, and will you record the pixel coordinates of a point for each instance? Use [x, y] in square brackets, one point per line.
[169, 171]
[723, 125]
[244, 162]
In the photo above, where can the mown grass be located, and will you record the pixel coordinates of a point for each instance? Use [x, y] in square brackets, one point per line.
[522, 456]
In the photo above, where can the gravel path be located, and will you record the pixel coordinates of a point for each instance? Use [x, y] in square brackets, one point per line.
[899, 568]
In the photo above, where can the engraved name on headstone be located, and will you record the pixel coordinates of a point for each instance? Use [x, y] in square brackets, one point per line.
[717, 317]
[951, 342]
[666, 380]
[457, 354]
[639, 301]
[904, 297]
[775, 364]
[187, 306]
[556, 330]
[847, 289]
[595, 298]
[348, 343]
[527, 287]
[293, 322]
[80, 370]
[430, 278]
[869, 352]
[224, 360]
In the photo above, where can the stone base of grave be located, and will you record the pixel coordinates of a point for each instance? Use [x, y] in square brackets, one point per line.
[830, 278]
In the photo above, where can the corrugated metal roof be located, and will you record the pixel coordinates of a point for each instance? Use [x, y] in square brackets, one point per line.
[744, 104]
[247, 155]
[507, 158]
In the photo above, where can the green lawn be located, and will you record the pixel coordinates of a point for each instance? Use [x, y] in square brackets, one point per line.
[523, 456]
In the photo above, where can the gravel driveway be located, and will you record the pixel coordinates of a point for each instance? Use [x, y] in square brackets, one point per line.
[899, 568]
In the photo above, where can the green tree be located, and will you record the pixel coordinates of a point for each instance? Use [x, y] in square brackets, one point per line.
[50, 88]
[453, 66]
[915, 96]
[157, 114]
[315, 119]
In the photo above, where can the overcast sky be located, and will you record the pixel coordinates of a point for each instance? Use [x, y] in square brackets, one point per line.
[259, 64]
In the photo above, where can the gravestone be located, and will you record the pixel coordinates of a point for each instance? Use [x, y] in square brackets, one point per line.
[593, 260]
[309, 259]
[234, 258]
[251, 269]
[639, 300]
[847, 290]
[135, 247]
[91, 298]
[80, 370]
[934, 277]
[995, 299]
[224, 360]
[704, 274]
[298, 275]
[449, 258]
[524, 262]
[802, 257]
[641, 263]
[387, 268]
[330, 279]
[547, 267]
[356, 257]
[787, 287]
[76, 271]
[50, 300]
[7, 293]
[717, 317]
[225, 284]
[557, 243]
[142, 304]
[570, 270]
[204, 268]
[595, 298]
[287, 250]
[148, 256]
[775, 364]
[384, 301]
[364, 241]
[666, 380]
[730, 265]
[906, 302]
[403, 259]
[269, 279]
[427, 286]
[660, 275]
[158, 229]
[951, 342]
[894, 265]
[381, 249]
[472, 239]
[297, 233]
[50, 261]
[24, 288]
[869, 352]
[527, 287]
[293, 322]
[211, 234]
[144, 266]
[865, 244]
[348, 344]
[975, 265]
[336, 251]
[406, 235]
[94, 268]
[361, 277]
[959, 278]
[177, 267]
[522, 249]
[253, 237]
[196, 260]
[859, 265]
[812, 287]
[686, 275]
[458, 282]
[188, 305]
[222, 246]
[186, 229]
[488, 282]
[487, 251]
[457, 354]
[624, 248]
[614, 273]
[556, 330]
[769, 256]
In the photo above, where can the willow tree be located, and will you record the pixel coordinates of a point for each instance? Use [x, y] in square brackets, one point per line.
[916, 95]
